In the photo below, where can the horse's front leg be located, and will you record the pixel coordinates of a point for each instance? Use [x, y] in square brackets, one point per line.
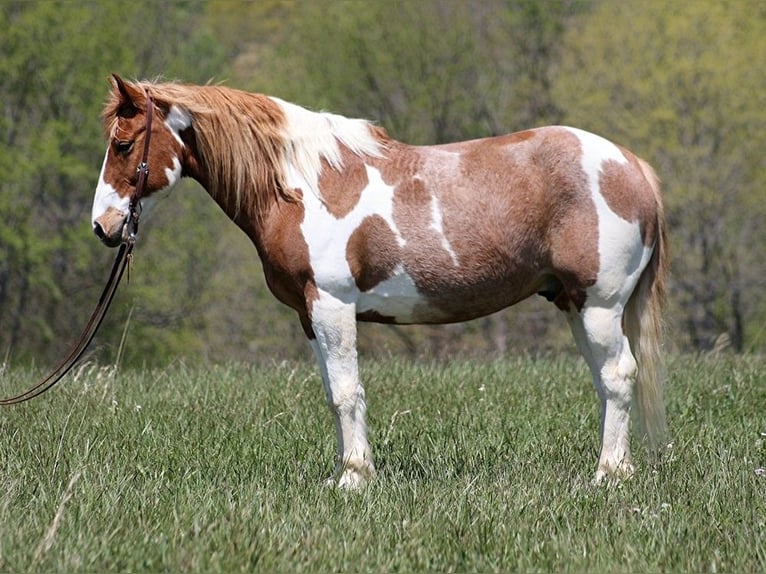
[334, 325]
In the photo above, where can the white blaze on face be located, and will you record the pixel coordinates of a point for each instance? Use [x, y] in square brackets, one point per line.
[106, 197]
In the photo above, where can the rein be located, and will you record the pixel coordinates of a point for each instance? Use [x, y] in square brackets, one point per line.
[121, 262]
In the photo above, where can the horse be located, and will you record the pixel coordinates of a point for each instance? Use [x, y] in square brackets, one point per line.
[352, 225]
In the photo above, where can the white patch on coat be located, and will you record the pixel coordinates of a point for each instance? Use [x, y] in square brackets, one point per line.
[177, 121]
[327, 238]
[173, 174]
[437, 225]
[311, 136]
[106, 196]
[622, 255]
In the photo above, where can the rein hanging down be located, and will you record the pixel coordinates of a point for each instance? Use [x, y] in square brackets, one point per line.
[121, 262]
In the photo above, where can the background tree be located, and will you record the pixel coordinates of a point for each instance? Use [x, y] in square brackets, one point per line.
[430, 72]
[56, 59]
[682, 86]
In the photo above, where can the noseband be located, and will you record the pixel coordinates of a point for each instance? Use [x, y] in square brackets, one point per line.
[121, 262]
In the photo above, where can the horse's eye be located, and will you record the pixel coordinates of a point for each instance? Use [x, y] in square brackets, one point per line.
[122, 147]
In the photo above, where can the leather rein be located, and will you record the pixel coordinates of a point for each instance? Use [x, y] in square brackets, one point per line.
[121, 262]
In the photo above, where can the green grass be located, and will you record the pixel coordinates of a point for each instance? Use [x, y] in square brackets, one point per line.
[481, 467]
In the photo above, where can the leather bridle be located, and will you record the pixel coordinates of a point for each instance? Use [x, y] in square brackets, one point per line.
[134, 207]
[121, 262]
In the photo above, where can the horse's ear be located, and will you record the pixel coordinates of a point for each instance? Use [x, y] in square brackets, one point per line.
[128, 96]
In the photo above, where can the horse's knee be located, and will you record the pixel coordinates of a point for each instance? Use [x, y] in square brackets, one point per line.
[609, 351]
[618, 376]
[346, 396]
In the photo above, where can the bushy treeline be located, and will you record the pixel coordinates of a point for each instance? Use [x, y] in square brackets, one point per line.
[681, 84]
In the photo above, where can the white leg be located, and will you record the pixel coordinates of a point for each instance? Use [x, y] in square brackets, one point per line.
[598, 333]
[581, 340]
[334, 324]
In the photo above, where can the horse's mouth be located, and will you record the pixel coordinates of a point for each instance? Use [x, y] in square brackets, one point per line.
[111, 242]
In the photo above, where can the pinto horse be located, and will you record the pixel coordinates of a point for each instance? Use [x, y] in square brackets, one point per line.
[352, 225]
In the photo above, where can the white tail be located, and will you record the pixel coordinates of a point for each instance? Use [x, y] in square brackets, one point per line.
[645, 328]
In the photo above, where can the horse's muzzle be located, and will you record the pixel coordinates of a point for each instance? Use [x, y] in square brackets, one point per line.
[110, 227]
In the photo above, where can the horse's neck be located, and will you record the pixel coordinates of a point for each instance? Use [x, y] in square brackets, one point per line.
[319, 154]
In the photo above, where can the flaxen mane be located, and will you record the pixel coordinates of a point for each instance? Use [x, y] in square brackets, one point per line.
[239, 140]
[244, 139]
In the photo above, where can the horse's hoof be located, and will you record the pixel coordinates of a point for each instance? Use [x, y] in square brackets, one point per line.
[622, 471]
[351, 479]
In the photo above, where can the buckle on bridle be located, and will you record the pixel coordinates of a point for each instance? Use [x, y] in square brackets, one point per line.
[134, 211]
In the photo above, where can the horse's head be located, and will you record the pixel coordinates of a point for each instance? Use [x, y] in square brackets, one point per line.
[127, 125]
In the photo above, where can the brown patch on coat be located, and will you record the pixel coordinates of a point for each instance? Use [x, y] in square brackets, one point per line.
[285, 255]
[372, 252]
[401, 162]
[516, 212]
[573, 231]
[310, 295]
[341, 188]
[629, 195]
[532, 223]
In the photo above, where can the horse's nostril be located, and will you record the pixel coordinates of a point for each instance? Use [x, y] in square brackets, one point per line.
[98, 230]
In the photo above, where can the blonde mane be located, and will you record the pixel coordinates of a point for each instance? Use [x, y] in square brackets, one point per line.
[246, 141]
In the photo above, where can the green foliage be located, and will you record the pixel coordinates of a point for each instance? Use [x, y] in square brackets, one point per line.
[482, 467]
[430, 72]
[677, 84]
[56, 59]
[680, 86]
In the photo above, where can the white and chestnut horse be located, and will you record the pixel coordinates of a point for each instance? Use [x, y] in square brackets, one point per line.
[351, 225]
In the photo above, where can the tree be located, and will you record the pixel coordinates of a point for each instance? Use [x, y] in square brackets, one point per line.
[56, 59]
[681, 85]
[429, 72]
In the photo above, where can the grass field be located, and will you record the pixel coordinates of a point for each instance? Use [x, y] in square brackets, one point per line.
[481, 467]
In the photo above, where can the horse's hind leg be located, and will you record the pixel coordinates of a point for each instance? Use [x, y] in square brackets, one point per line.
[598, 333]
[334, 325]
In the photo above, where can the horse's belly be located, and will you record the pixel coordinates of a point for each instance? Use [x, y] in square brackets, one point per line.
[395, 300]
[399, 300]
